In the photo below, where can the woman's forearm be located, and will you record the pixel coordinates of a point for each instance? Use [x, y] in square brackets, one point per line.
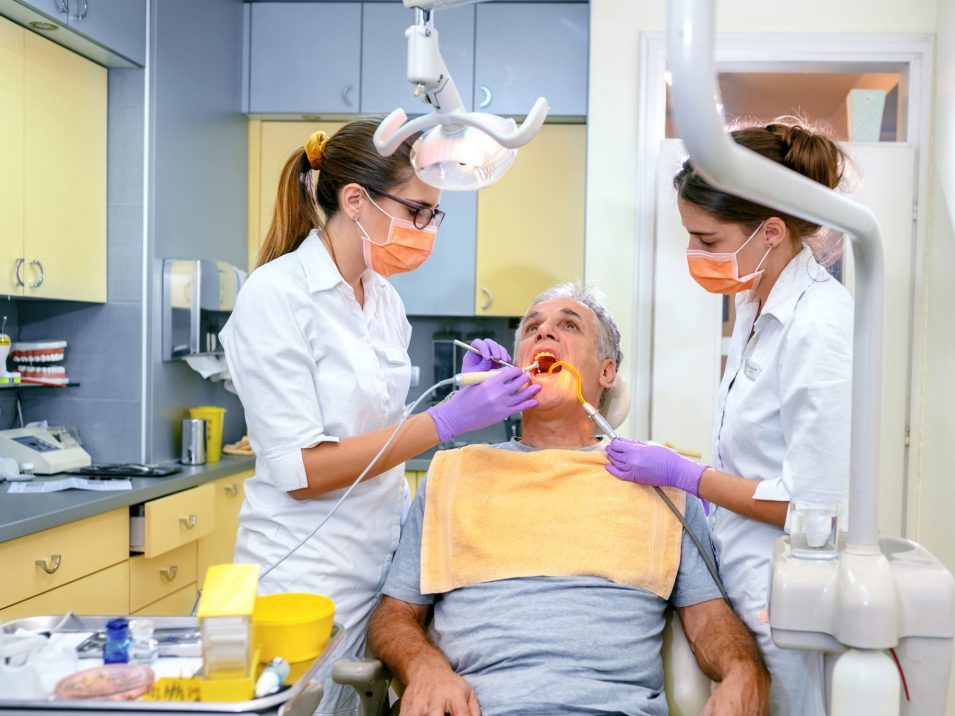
[332, 466]
[736, 494]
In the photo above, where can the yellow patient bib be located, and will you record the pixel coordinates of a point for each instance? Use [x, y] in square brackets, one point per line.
[494, 514]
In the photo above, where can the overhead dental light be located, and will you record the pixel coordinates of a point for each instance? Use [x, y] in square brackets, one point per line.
[458, 150]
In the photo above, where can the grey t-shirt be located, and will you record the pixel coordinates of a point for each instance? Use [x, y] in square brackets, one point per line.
[554, 645]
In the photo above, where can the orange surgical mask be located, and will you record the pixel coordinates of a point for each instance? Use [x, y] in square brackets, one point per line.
[405, 249]
[719, 272]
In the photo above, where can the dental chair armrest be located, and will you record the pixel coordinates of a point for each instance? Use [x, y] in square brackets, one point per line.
[369, 678]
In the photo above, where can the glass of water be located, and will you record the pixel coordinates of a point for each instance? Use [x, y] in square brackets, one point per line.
[814, 529]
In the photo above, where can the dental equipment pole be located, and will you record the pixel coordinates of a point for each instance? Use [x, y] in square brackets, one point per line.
[865, 600]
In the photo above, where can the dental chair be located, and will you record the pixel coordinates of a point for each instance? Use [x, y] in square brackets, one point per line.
[687, 688]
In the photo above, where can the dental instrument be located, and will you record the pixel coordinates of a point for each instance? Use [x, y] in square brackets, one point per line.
[468, 347]
[608, 430]
[458, 150]
[880, 593]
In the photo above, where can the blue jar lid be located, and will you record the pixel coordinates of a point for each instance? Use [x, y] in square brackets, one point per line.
[117, 626]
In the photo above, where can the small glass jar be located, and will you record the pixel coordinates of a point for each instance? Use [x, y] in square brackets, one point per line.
[143, 649]
[116, 649]
[814, 529]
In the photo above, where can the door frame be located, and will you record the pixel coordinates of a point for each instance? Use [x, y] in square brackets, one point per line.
[911, 55]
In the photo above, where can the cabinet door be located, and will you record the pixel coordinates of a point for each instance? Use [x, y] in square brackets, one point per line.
[384, 55]
[119, 25]
[65, 178]
[105, 592]
[526, 51]
[305, 57]
[270, 145]
[531, 223]
[11, 149]
[177, 604]
[219, 547]
[444, 285]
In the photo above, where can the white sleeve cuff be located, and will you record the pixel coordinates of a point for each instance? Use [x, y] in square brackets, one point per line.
[772, 490]
[287, 469]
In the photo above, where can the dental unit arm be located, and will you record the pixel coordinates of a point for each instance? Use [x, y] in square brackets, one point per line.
[459, 150]
[880, 593]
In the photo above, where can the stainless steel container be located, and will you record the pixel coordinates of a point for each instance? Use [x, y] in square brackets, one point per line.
[193, 442]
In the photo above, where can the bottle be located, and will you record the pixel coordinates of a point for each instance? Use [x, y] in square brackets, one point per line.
[116, 650]
[143, 649]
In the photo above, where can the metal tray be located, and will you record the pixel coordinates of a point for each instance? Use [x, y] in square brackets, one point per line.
[300, 699]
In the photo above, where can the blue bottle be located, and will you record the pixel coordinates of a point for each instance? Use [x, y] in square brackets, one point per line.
[116, 650]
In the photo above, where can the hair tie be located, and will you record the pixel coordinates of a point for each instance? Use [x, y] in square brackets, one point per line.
[315, 148]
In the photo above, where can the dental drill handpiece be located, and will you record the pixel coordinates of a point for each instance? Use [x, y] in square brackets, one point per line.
[479, 376]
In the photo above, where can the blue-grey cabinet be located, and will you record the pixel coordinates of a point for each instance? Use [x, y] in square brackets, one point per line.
[444, 285]
[54, 9]
[384, 53]
[305, 58]
[119, 25]
[529, 50]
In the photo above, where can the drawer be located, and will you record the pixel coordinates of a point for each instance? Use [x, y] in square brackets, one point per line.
[177, 604]
[173, 521]
[219, 547]
[46, 560]
[152, 579]
[105, 592]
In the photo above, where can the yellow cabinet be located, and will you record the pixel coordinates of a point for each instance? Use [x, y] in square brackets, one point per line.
[104, 592]
[218, 547]
[270, 144]
[177, 604]
[414, 479]
[53, 173]
[11, 149]
[178, 519]
[46, 560]
[153, 579]
[531, 223]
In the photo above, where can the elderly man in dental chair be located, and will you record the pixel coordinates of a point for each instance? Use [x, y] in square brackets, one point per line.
[526, 582]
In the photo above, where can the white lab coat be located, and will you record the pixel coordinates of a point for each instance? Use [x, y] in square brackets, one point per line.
[783, 417]
[310, 366]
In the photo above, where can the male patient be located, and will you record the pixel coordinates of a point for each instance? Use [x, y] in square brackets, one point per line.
[545, 583]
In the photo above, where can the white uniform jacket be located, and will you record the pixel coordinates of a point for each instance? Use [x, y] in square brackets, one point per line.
[783, 418]
[310, 365]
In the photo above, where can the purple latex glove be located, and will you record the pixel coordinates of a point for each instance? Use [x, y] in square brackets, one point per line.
[650, 464]
[489, 349]
[477, 406]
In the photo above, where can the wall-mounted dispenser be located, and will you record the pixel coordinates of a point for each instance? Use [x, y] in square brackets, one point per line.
[198, 296]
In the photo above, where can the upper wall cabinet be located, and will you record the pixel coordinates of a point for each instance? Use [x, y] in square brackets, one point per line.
[384, 53]
[526, 51]
[290, 76]
[109, 32]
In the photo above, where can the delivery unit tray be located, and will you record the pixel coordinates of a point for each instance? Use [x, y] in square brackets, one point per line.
[296, 700]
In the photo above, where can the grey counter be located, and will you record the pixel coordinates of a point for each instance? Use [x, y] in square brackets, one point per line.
[21, 515]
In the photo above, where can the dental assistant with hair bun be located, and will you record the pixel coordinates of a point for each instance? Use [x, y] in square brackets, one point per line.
[317, 348]
[782, 422]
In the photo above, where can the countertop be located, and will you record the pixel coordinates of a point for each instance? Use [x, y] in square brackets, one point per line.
[21, 515]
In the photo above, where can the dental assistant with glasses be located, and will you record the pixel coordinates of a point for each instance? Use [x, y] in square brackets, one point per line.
[317, 348]
[782, 422]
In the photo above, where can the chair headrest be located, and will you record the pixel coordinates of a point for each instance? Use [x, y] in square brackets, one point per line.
[616, 404]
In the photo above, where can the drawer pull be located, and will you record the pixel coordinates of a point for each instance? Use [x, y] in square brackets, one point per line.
[54, 561]
[189, 522]
[490, 299]
[231, 489]
[170, 573]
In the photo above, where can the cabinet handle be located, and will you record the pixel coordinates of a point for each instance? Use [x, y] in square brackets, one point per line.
[170, 573]
[34, 262]
[346, 98]
[486, 100]
[231, 489]
[54, 561]
[81, 15]
[20, 263]
[189, 522]
[490, 298]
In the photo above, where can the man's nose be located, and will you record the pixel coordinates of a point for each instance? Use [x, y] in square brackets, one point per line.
[545, 331]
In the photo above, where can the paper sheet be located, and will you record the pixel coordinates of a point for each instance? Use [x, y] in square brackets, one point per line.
[68, 483]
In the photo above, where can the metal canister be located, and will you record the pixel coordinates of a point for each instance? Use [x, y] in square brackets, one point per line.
[193, 442]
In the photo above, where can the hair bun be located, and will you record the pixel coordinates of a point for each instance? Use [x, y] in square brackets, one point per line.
[810, 153]
[315, 148]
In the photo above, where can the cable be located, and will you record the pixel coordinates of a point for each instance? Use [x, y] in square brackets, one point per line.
[612, 434]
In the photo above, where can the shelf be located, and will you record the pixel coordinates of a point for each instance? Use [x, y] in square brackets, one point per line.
[31, 386]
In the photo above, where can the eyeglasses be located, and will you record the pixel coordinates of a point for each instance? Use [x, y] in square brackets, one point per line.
[423, 214]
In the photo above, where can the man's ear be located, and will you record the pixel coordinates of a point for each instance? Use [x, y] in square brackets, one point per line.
[351, 198]
[608, 372]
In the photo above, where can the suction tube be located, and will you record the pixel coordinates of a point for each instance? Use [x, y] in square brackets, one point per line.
[730, 167]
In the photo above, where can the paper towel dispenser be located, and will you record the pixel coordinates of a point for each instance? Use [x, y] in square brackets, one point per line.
[197, 298]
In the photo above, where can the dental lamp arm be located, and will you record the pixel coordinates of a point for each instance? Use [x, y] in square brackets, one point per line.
[730, 167]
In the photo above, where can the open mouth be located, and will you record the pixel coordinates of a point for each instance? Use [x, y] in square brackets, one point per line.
[544, 361]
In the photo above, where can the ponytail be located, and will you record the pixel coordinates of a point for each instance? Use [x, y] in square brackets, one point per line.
[295, 213]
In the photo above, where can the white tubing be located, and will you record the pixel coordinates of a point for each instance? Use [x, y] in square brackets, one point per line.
[730, 167]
